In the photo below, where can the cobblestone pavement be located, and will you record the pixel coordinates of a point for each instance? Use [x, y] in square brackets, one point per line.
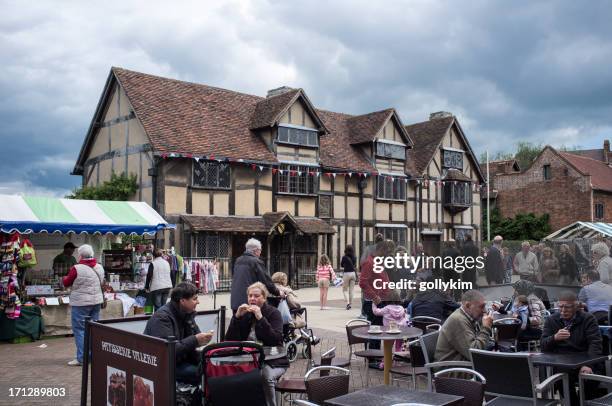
[43, 363]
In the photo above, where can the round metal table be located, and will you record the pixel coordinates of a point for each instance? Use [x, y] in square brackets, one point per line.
[388, 340]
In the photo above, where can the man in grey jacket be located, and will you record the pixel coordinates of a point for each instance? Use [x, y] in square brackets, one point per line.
[249, 269]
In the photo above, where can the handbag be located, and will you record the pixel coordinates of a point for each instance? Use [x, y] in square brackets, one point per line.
[104, 301]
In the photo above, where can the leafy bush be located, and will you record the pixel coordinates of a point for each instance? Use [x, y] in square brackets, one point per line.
[119, 188]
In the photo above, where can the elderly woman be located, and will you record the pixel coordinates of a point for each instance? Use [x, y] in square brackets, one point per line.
[601, 257]
[549, 266]
[86, 297]
[567, 265]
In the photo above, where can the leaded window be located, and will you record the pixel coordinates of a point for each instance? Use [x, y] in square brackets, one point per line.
[452, 159]
[212, 245]
[387, 150]
[297, 180]
[298, 136]
[391, 188]
[211, 175]
[396, 234]
[457, 193]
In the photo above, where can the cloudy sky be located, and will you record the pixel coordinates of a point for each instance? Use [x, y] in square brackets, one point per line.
[511, 71]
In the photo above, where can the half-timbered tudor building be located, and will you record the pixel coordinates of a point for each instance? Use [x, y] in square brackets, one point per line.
[226, 166]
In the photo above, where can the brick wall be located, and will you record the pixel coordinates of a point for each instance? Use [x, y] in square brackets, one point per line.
[566, 197]
[606, 200]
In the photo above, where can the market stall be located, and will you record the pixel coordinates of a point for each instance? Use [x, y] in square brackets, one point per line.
[48, 225]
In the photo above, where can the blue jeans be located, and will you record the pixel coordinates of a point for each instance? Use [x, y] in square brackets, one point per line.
[159, 297]
[77, 317]
[187, 373]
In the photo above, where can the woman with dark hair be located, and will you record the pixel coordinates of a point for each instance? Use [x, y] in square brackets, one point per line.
[349, 275]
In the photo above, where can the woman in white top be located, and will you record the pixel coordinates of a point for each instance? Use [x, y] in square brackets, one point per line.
[601, 257]
[159, 281]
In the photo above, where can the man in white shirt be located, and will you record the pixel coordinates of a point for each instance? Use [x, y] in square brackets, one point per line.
[526, 262]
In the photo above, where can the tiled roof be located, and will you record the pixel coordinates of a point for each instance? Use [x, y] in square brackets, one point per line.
[268, 110]
[498, 166]
[187, 117]
[255, 224]
[426, 137]
[364, 128]
[601, 174]
[597, 154]
[454, 174]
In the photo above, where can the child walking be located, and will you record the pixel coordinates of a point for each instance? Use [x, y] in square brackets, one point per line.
[392, 313]
[325, 274]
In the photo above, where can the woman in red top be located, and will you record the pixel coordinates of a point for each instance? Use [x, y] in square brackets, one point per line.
[325, 274]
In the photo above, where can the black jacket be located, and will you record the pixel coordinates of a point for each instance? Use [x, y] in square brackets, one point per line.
[494, 266]
[470, 250]
[248, 269]
[433, 304]
[585, 335]
[268, 329]
[567, 263]
[168, 321]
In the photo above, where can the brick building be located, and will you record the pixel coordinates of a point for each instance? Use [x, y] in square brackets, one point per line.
[569, 186]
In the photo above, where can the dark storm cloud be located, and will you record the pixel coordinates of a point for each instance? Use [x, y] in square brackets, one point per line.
[535, 71]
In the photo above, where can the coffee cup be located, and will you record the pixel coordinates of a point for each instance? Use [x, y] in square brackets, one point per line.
[375, 328]
[273, 351]
[393, 326]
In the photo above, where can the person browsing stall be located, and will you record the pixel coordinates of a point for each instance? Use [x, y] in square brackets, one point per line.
[468, 327]
[176, 318]
[85, 280]
[65, 260]
[258, 321]
[159, 281]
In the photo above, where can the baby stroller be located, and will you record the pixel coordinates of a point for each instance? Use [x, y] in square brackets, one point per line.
[230, 365]
[296, 332]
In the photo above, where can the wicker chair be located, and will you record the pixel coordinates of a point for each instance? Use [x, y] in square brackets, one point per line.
[423, 321]
[472, 390]
[518, 381]
[415, 367]
[430, 328]
[327, 385]
[601, 401]
[429, 343]
[367, 354]
[286, 387]
[329, 358]
[301, 402]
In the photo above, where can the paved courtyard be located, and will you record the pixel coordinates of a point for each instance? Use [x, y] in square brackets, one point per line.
[43, 363]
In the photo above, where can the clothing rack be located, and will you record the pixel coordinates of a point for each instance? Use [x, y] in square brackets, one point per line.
[210, 259]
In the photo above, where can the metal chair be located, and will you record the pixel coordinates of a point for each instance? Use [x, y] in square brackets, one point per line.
[423, 321]
[472, 389]
[367, 354]
[416, 366]
[603, 400]
[329, 358]
[507, 330]
[286, 387]
[518, 380]
[433, 327]
[326, 385]
[429, 343]
[301, 402]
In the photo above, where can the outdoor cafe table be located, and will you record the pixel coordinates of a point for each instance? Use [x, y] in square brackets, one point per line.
[388, 339]
[571, 361]
[390, 395]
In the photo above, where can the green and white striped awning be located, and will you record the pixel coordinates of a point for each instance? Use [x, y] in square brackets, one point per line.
[29, 214]
[582, 229]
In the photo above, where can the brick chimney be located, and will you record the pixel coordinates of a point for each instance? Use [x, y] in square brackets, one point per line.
[440, 114]
[606, 152]
[279, 90]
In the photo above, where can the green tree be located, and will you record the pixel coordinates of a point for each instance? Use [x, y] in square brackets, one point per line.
[526, 153]
[119, 188]
[524, 226]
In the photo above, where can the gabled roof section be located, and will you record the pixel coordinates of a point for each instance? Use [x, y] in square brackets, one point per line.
[365, 127]
[428, 136]
[500, 166]
[270, 110]
[601, 174]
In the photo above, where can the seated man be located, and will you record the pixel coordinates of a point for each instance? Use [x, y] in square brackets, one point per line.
[571, 330]
[176, 318]
[432, 303]
[466, 328]
[258, 321]
[596, 296]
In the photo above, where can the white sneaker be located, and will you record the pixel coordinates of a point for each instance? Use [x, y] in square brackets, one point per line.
[74, 363]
